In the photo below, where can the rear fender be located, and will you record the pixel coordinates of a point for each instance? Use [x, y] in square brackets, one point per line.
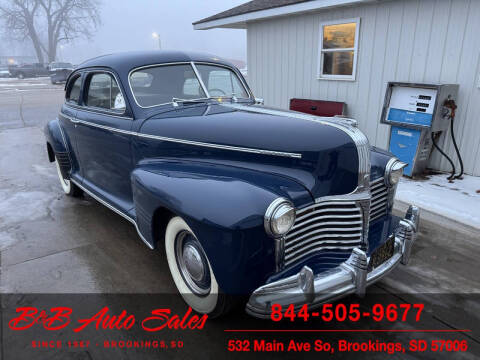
[57, 146]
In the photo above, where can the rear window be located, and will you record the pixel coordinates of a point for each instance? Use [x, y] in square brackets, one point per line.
[73, 90]
[159, 85]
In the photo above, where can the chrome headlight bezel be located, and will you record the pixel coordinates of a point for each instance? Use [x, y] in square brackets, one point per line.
[393, 172]
[279, 208]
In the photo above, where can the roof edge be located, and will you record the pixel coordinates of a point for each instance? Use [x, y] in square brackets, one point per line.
[240, 21]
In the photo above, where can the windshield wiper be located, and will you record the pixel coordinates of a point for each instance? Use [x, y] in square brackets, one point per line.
[176, 101]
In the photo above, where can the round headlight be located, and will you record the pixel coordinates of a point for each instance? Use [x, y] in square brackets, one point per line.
[279, 217]
[394, 171]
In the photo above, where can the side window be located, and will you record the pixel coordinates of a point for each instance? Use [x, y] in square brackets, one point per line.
[73, 90]
[103, 92]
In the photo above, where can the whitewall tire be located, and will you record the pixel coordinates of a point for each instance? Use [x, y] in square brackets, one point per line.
[191, 270]
[68, 187]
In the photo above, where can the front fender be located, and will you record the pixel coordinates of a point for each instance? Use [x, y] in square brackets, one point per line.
[224, 206]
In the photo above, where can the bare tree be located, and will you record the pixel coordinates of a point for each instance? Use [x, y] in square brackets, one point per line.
[48, 23]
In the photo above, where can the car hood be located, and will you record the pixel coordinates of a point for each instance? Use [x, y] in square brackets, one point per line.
[319, 153]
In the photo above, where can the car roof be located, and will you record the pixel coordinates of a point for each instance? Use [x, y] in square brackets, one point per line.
[126, 61]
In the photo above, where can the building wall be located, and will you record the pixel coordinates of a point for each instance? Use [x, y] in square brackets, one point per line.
[423, 41]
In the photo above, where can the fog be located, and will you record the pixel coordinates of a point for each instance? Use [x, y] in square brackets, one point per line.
[129, 24]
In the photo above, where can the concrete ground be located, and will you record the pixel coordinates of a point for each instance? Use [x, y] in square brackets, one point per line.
[56, 244]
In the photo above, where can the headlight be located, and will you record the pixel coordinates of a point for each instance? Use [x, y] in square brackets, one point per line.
[393, 172]
[279, 217]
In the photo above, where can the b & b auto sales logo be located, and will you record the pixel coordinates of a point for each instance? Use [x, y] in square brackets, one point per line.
[60, 317]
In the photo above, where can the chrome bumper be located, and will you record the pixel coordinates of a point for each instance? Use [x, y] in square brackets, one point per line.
[349, 277]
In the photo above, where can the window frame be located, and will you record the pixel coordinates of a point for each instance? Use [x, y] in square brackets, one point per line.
[321, 51]
[86, 87]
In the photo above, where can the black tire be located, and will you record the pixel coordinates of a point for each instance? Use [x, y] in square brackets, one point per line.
[68, 187]
[21, 76]
[205, 297]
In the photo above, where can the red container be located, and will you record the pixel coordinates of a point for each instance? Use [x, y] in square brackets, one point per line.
[318, 107]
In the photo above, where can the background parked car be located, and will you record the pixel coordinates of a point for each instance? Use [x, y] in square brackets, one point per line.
[59, 71]
[29, 70]
[4, 72]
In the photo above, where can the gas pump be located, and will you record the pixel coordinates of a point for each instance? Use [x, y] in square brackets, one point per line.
[418, 114]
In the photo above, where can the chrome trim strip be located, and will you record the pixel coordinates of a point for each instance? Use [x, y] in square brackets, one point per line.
[191, 142]
[291, 257]
[119, 212]
[68, 117]
[105, 113]
[320, 218]
[223, 147]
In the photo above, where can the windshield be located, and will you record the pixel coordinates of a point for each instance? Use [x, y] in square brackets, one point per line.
[163, 84]
[221, 81]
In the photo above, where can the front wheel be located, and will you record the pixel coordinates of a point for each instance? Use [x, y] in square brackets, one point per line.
[191, 271]
[68, 187]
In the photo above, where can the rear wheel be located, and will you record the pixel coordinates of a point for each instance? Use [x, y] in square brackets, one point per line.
[191, 270]
[69, 188]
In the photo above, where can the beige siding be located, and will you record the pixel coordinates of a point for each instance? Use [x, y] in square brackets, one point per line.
[405, 40]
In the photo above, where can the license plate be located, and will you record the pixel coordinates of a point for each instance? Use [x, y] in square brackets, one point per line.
[382, 254]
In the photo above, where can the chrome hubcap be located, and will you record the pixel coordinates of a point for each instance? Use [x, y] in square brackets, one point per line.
[192, 263]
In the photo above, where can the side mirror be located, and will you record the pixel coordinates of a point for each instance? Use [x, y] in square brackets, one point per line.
[259, 101]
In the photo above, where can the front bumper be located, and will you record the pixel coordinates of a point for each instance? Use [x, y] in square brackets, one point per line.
[350, 277]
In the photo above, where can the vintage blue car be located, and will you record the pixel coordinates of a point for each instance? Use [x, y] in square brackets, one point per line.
[284, 207]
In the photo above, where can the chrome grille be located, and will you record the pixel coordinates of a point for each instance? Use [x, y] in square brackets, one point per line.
[328, 225]
[379, 202]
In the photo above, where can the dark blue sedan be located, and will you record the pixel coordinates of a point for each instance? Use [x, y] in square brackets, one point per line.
[284, 207]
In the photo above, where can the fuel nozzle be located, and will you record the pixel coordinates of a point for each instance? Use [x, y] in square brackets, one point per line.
[450, 107]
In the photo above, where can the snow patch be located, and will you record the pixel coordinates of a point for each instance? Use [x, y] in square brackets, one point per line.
[459, 201]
